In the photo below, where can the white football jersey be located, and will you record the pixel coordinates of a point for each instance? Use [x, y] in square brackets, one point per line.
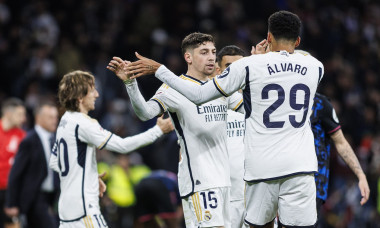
[235, 146]
[74, 158]
[201, 131]
[278, 90]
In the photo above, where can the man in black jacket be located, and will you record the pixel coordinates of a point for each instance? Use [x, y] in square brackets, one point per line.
[31, 188]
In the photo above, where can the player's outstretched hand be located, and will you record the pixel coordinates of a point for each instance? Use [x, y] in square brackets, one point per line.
[165, 124]
[143, 66]
[364, 190]
[261, 48]
[118, 66]
[102, 185]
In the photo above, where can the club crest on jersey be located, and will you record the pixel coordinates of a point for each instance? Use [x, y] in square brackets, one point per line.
[62, 123]
[208, 215]
[224, 73]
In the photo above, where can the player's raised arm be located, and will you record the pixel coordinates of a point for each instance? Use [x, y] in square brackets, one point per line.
[196, 94]
[145, 110]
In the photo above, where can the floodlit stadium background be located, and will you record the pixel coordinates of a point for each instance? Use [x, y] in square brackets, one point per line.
[42, 40]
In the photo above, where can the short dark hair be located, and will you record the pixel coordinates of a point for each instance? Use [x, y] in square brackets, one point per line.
[11, 103]
[284, 25]
[231, 50]
[42, 104]
[73, 86]
[195, 40]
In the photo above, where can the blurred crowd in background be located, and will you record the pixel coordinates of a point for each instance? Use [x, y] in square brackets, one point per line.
[41, 40]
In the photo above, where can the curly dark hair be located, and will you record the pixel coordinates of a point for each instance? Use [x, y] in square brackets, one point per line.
[231, 50]
[284, 25]
[72, 87]
[194, 40]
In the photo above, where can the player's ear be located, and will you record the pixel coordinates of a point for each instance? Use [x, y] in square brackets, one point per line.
[298, 41]
[187, 57]
[269, 37]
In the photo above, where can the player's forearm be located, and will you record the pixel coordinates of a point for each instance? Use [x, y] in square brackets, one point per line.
[195, 93]
[345, 151]
[132, 143]
[143, 109]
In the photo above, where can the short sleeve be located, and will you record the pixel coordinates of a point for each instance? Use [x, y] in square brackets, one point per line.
[330, 121]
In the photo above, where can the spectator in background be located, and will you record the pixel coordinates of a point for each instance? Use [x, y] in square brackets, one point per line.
[11, 134]
[31, 188]
[121, 179]
[158, 198]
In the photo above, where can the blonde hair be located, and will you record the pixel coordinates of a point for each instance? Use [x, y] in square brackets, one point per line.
[73, 86]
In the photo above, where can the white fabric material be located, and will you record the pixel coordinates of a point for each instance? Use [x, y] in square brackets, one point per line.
[237, 213]
[144, 110]
[279, 88]
[94, 219]
[201, 132]
[209, 208]
[74, 158]
[235, 145]
[293, 198]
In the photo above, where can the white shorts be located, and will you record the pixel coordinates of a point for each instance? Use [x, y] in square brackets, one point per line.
[237, 213]
[293, 197]
[94, 219]
[208, 208]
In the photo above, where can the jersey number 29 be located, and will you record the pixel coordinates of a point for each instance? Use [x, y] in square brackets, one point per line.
[280, 100]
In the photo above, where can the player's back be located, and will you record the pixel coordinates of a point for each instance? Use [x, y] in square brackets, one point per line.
[77, 165]
[279, 92]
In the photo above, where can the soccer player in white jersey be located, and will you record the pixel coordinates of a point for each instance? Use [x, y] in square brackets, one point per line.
[278, 90]
[203, 175]
[235, 144]
[73, 155]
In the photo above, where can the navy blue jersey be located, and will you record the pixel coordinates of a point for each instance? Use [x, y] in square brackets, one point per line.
[324, 122]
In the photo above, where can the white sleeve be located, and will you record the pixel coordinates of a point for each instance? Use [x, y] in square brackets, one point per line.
[221, 85]
[235, 102]
[53, 162]
[129, 144]
[94, 134]
[145, 110]
[195, 93]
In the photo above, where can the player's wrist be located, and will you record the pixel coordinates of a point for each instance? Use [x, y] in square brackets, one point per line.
[128, 81]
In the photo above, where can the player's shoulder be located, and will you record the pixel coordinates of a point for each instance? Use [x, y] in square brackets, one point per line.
[306, 56]
[78, 118]
[322, 98]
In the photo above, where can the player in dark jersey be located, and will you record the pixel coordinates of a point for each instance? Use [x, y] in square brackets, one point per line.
[326, 129]
[158, 195]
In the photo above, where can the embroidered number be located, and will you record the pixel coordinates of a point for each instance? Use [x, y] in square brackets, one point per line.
[280, 100]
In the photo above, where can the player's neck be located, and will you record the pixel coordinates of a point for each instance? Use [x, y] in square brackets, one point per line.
[197, 75]
[281, 47]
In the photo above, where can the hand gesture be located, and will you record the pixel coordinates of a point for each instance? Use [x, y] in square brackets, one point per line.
[165, 124]
[143, 66]
[102, 185]
[364, 190]
[118, 66]
[261, 48]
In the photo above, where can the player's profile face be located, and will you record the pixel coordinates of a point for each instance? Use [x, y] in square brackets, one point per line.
[204, 58]
[88, 101]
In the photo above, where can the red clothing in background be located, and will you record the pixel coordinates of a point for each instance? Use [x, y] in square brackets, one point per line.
[9, 142]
